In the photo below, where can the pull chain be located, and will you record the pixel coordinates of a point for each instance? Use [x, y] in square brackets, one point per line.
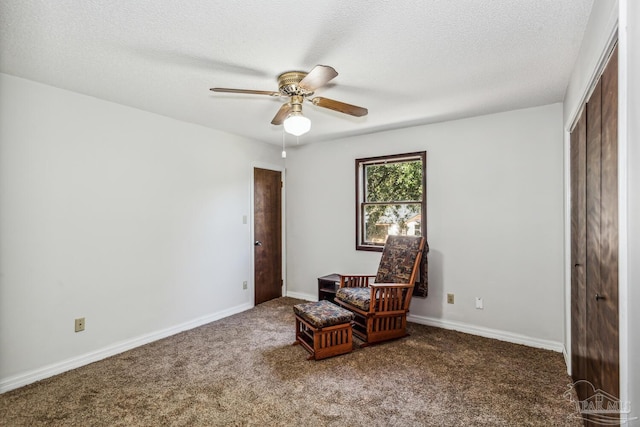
[284, 152]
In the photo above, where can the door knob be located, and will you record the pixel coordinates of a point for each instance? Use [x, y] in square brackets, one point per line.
[599, 297]
[257, 243]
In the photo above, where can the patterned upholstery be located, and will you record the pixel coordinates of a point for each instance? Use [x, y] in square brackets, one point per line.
[359, 297]
[396, 265]
[398, 257]
[323, 313]
[385, 318]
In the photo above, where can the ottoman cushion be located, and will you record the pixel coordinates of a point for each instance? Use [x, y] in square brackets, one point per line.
[322, 314]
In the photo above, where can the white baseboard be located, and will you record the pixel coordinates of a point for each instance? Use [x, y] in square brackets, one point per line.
[489, 333]
[302, 295]
[25, 378]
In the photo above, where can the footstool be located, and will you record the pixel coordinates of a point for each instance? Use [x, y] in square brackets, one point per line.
[323, 329]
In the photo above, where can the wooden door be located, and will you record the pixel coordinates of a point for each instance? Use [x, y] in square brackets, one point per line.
[578, 252]
[594, 205]
[267, 222]
[594, 238]
[604, 294]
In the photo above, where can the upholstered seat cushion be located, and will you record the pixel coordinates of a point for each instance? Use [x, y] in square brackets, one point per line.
[322, 314]
[358, 297]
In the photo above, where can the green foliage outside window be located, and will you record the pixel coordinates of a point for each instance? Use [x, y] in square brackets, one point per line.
[392, 197]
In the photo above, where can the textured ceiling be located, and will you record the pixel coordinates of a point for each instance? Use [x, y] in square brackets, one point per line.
[408, 62]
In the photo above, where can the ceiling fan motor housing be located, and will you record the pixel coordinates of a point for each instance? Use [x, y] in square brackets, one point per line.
[288, 84]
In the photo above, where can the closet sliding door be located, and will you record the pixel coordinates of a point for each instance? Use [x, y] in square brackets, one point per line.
[594, 238]
[578, 165]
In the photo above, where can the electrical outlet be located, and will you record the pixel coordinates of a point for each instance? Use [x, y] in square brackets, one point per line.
[80, 324]
[450, 298]
[244, 285]
[479, 303]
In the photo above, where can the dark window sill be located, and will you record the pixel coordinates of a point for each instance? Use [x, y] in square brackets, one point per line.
[370, 248]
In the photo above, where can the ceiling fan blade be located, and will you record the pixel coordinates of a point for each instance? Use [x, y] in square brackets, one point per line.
[319, 76]
[248, 91]
[282, 114]
[342, 107]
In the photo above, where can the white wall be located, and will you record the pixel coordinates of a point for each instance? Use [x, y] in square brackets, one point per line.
[129, 219]
[494, 219]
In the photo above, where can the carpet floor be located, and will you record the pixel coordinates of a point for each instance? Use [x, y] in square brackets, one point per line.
[243, 371]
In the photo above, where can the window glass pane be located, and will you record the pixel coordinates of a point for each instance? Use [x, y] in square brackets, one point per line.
[390, 198]
[381, 220]
[393, 182]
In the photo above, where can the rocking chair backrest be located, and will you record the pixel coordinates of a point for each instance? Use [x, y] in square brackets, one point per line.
[398, 262]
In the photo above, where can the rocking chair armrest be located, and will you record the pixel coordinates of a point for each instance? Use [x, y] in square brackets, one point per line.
[390, 297]
[355, 280]
[391, 285]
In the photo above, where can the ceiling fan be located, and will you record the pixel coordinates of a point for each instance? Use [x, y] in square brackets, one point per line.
[298, 86]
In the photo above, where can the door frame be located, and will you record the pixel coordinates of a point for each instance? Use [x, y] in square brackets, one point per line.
[281, 169]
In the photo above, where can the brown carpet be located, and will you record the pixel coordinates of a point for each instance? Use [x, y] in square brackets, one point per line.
[243, 371]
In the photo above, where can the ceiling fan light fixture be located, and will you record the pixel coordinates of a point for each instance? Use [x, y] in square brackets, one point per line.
[297, 124]
[298, 86]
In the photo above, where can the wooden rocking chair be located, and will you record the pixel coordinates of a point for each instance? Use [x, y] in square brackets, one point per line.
[381, 307]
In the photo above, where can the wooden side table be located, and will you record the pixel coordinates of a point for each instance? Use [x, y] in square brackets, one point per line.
[328, 286]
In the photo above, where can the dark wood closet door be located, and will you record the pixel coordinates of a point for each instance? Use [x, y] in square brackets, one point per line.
[578, 251]
[606, 303]
[594, 238]
[593, 177]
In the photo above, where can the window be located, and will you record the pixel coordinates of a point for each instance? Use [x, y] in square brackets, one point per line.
[390, 198]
